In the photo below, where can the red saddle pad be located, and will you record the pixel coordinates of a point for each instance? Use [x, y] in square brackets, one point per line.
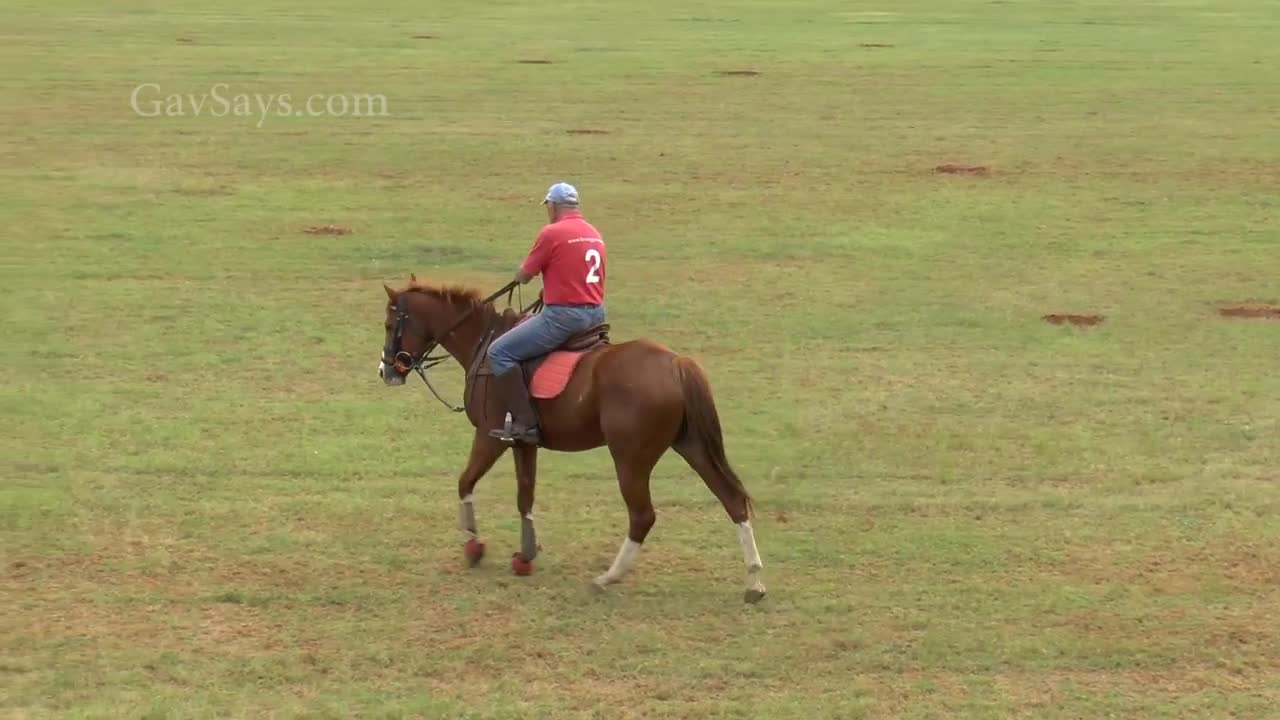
[553, 374]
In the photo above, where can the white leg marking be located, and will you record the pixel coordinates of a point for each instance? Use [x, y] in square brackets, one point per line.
[750, 556]
[621, 564]
[467, 518]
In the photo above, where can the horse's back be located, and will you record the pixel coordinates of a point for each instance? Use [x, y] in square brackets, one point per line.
[616, 382]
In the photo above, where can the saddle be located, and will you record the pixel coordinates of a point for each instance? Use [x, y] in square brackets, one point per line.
[547, 374]
[583, 341]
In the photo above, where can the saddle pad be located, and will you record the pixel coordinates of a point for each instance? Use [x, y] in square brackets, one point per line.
[553, 374]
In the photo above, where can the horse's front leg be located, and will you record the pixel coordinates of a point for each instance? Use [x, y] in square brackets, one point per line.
[485, 451]
[526, 473]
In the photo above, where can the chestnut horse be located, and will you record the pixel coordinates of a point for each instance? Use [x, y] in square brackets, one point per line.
[638, 398]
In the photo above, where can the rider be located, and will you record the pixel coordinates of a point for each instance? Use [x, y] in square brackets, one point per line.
[570, 255]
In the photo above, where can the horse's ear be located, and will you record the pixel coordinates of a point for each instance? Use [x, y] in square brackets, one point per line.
[390, 293]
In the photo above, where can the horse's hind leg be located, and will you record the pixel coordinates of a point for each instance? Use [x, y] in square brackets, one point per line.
[735, 503]
[485, 451]
[633, 465]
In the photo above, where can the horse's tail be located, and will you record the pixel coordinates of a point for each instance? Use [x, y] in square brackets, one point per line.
[702, 423]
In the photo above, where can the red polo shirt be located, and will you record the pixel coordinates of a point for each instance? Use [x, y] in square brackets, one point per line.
[570, 256]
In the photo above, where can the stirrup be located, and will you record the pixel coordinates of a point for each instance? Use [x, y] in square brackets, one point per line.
[509, 435]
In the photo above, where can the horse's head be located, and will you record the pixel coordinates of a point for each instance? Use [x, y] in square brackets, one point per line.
[408, 336]
[421, 317]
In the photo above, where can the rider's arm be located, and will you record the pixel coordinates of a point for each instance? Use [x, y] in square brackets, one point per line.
[537, 259]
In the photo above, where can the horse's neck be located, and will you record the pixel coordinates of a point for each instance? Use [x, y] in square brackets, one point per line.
[464, 340]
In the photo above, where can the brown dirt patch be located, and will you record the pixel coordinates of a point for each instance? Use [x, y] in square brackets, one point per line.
[587, 131]
[235, 628]
[738, 73]
[1245, 565]
[953, 169]
[534, 62]
[425, 37]
[1251, 311]
[327, 230]
[185, 40]
[875, 45]
[1073, 319]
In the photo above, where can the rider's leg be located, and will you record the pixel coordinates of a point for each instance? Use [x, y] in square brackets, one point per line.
[531, 338]
[536, 336]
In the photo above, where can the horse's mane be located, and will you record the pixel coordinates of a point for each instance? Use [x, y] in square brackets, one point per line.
[452, 294]
[461, 297]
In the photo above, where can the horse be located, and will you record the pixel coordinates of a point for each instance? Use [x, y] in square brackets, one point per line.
[638, 398]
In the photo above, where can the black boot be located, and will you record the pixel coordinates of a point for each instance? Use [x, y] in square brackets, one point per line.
[515, 396]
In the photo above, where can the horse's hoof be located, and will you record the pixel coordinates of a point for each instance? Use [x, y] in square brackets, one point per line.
[474, 552]
[520, 566]
[751, 597]
[597, 586]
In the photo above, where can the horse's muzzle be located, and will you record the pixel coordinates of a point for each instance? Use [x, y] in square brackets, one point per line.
[389, 374]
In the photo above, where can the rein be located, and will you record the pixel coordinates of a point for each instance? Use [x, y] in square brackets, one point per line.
[426, 361]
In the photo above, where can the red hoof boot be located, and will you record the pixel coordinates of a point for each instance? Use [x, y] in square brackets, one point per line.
[520, 566]
[474, 551]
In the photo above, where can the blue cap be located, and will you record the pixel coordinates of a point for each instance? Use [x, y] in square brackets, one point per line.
[562, 194]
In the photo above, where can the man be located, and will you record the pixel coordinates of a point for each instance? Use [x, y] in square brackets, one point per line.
[570, 255]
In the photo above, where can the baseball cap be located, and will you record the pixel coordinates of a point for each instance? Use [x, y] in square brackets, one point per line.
[562, 194]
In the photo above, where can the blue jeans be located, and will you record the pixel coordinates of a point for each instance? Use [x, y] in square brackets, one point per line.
[541, 334]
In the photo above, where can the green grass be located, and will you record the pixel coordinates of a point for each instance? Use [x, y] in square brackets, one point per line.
[210, 507]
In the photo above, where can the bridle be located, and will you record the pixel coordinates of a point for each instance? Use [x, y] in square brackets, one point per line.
[404, 362]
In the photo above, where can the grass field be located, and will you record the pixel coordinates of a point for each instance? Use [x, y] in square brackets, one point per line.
[211, 507]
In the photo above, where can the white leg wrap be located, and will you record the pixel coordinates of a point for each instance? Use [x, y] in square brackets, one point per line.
[750, 556]
[622, 563]
[467, 518]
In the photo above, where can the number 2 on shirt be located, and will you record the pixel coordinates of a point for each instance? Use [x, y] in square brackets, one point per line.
[593, 257]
